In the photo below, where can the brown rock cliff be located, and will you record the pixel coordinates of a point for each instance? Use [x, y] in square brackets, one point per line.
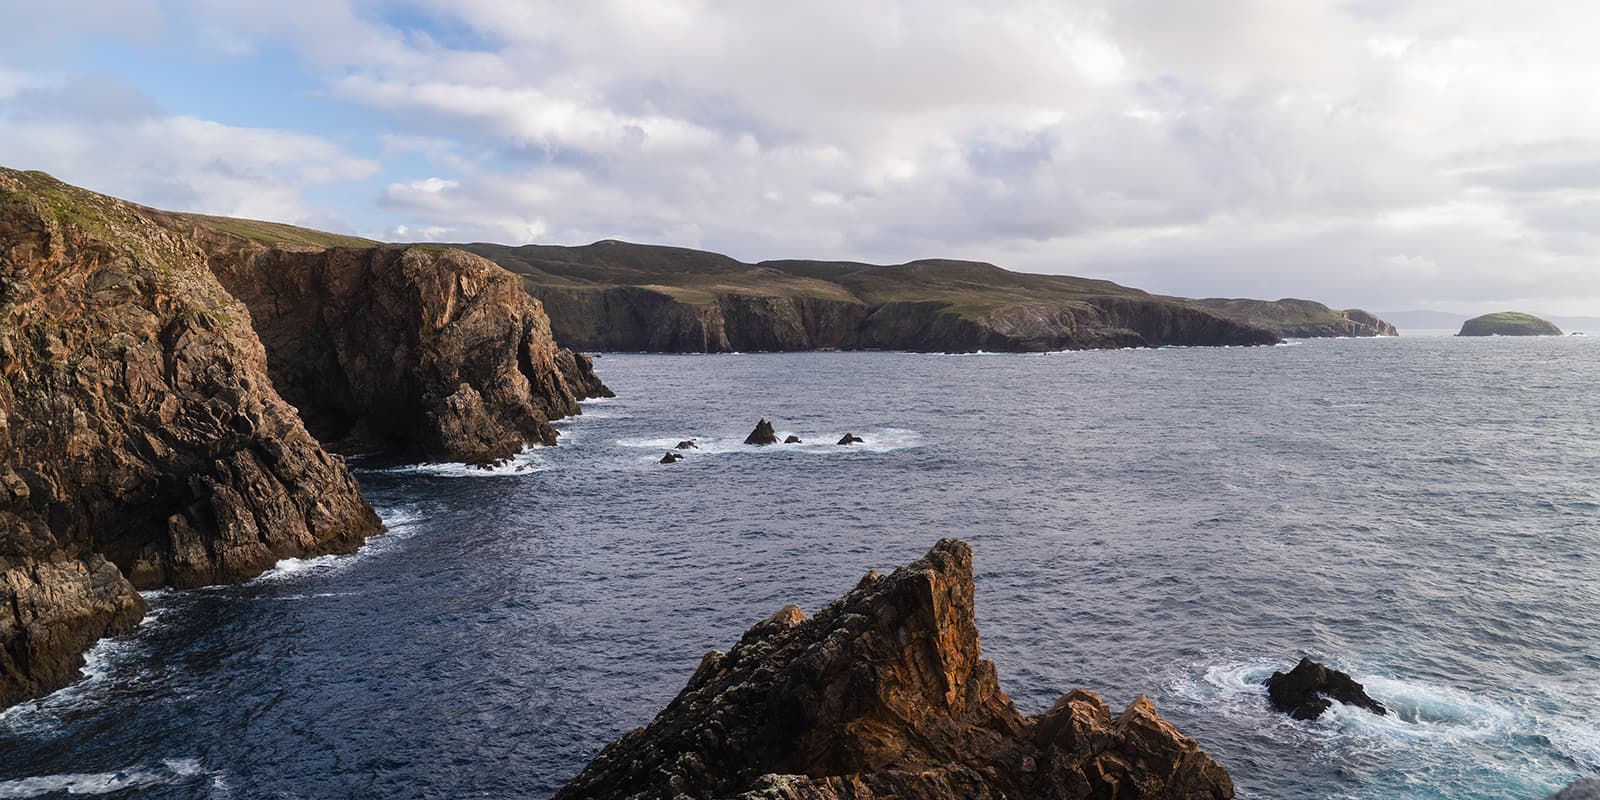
[885, 694]
[137, 422]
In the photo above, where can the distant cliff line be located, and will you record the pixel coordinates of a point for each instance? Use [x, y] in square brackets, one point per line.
[624, 297]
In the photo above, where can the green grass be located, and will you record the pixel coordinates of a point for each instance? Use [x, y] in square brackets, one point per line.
[277, 233]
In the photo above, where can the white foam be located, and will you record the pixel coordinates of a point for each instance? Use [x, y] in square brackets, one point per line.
[883, 440]
[400, 523]
[96, 783]
[530, 460]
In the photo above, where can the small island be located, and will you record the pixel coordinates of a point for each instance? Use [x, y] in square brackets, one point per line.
[1508, 323]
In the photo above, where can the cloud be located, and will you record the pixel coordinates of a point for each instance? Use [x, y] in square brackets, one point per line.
[1364, 153]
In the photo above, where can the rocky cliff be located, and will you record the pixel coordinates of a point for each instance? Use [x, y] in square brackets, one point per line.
[1508, 323]
[421, 353]
[885, 694]
[141, 441]
[616, 296]
[1301, 319]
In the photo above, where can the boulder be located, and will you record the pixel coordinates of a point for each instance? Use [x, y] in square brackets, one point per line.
[792, 439]
[1310, 689]
[686, 444]
[885, 694]
[851, 438]
[671, 457]
[763, 434]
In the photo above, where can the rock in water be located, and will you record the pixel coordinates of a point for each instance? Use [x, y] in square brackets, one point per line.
[687, 444]
[1309, 689]
[850, 438]
[1508, 323]
[1582, 790]
[671, 457]
[763, 434]
[138, 426]
[885, 694]
[792, 439]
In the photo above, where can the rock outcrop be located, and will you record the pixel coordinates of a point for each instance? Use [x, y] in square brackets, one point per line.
[617, 296]
[762, 435]
[139, 427]
[672, 457]
[850, 438]
[1508, 323]
[687, 444]
[1582, 790]
[1301, 319]
[792, 439]
[885, 694]
[1310, 689]
[420, 353]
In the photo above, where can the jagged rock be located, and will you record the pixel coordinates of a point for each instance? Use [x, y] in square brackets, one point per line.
[885, 694]
[1310, 689]
[671, 457]
[687, 444]
[851, 438]
[137, 421]
[423, 353]
[1582, 790]
[792, 439]
[763, 434]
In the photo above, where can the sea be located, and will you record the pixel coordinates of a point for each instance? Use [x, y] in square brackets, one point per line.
[1422, 512]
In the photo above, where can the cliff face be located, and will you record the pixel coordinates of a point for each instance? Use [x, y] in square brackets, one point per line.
[885, 694]
[636, 319]
[1301, 319]
[137, 423]
[420, 353]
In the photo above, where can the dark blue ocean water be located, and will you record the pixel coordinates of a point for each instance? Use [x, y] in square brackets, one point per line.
[1423, 512]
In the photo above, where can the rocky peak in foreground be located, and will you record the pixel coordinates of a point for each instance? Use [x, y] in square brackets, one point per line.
[141, 441]
[885, 694]
[422, 353]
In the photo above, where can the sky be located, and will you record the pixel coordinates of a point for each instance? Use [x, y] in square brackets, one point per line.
[1386, 154]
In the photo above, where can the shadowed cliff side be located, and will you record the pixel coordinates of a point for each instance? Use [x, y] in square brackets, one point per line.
[885, 694]
[627, 297]
[423, 353]
[1301, 319]
[141, 441]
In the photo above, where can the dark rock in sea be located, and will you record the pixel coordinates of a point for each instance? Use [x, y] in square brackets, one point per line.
[851, 438]
[1310, 689]
[763, 434]
[139, 427]
[792, 439]
[1582, 790]
[671, 457]
[885, 694]
[421, 353]
[1508, 323]
[687, 444]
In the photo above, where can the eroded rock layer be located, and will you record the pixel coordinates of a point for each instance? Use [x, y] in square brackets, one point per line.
[137, 422]
[885, 694]
[423, 353]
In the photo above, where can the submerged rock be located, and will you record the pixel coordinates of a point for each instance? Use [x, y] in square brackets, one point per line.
[671, 457]
[885, 694]
[792, 439]
[687, 444]
[851, 438]
[1309, 689]
[1582, 790]
[763, 434]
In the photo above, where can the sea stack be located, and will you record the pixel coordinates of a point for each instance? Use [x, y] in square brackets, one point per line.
[885, 694]
[762, 435]
[1309, 689]
[1508, 323]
